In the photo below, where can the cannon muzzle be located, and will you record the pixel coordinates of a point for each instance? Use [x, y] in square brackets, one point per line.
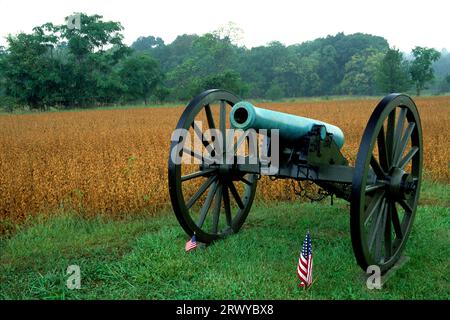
[246, 116]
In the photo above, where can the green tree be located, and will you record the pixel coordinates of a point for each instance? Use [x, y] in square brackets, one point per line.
[360, 73]
[258, 65]
[275, 92]
[311, 68]
[182, 79]
[175, 53]
[328, 69]
[155, 47]
[141, 75]
[441, 69]
[89, 60]
[29, 71]
[147, 43]
[334, 52]
[421, 68]
[298, 76]
[57, 65]
[228, 80]
[392, 74]
[2, 78]
[161, 93]
[209, 56]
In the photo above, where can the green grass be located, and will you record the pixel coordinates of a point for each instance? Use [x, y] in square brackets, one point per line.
[144, 258]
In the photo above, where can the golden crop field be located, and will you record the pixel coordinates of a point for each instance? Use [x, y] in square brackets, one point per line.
[115, 161]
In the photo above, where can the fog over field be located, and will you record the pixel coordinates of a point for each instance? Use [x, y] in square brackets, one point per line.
[404, 24]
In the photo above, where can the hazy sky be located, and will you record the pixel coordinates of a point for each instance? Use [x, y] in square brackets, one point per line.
[404, 24]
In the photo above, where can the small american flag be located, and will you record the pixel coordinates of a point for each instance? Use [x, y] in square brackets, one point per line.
[305, 263]
[191, 244]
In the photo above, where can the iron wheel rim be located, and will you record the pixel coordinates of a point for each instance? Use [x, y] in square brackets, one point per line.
[223, 190]
[380, 204]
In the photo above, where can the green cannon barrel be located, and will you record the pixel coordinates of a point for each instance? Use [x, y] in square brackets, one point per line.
[246, 116]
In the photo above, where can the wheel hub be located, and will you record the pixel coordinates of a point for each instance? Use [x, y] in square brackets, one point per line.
[401, 184]
[225, 169]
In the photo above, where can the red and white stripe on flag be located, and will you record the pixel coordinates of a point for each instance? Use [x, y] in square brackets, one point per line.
[305, 263]
[304, 270]
[191, 244]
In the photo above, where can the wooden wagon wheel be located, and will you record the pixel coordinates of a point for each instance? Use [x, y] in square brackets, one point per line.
[386, 182]
[200, 193]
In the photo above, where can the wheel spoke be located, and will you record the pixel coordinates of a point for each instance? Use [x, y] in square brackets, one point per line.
[382, 151]
[390, 135]
[199, 134]
[402, 144]
[374, 187]
[245, 181]
[226, 203]
[200, 191]
[230, 144]
[239, 142]
[374, 206]
[396, 222]
[196, 155]
[406, 206]
[223, 116]
[197, 174]
[235, 194]
[388, 233]
[207, 204]
[216, 213]
[399, 129]
[376, 225]
[209, 117]
[380, 232]
[408, 157]
[376, 167]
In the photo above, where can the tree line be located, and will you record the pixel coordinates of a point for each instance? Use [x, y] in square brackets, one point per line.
[62, 66]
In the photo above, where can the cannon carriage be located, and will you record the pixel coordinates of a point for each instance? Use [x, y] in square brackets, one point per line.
[212, 197]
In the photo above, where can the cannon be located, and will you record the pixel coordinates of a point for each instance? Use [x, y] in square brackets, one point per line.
[212, 197]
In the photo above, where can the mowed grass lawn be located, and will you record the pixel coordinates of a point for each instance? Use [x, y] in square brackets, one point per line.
[144, 258]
